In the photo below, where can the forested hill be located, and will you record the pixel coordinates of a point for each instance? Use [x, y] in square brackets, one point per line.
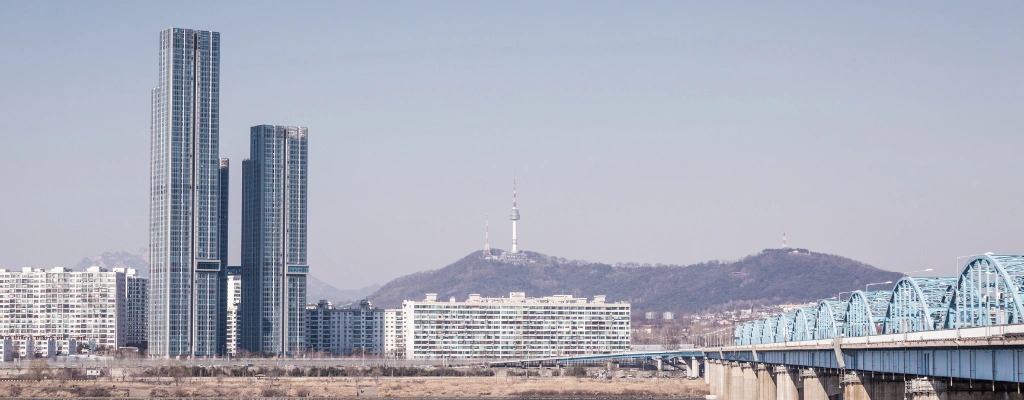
[773, 276]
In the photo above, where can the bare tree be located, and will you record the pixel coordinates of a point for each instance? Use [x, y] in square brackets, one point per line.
[177, 371]
[578, 371]
[357, 375]
[62, 375]
[376, 372]
[38, 369]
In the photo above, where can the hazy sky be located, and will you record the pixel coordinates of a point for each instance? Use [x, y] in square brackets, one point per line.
[671, 132]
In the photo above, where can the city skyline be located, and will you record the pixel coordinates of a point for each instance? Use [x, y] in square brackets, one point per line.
[694, 132]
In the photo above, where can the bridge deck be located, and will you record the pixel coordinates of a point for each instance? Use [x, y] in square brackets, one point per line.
[994, 353]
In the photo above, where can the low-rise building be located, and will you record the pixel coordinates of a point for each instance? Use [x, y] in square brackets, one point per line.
[345, 331]
[514, 327]
[43, 348]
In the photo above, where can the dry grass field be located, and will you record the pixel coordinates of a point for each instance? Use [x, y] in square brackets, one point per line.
[369, 387]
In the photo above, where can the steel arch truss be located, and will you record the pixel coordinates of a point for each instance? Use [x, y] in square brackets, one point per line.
[783, 326]
[803, 324]
[750, 333]
[919, 304]
[756, 333]
[831, 314]
[768, 329]
[865, 312]
[988, 292]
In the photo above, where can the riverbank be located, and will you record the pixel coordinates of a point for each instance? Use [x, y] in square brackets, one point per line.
[344, 387]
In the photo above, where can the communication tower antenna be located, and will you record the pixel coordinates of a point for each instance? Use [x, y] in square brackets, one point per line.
[487, 236]
[784, 245]
[514, 216]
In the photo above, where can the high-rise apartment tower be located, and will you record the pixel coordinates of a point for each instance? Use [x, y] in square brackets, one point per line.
[274, 264]
[186, 311]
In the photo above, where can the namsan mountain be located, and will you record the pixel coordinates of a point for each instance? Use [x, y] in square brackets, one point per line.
[773, 276]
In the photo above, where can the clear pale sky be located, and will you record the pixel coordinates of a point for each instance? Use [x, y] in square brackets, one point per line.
[671, 132]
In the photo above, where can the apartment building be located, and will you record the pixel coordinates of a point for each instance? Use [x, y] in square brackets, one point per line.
[345, 331]
[234, 307]
[136, 289]
[514, 327]
[394, 333]
[61, 304]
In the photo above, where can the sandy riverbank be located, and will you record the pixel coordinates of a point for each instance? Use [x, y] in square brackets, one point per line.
[368, 387]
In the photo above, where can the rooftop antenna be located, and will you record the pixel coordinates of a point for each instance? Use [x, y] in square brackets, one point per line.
[487, 236]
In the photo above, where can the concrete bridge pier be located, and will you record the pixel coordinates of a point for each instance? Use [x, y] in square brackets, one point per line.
[854, 388]
[960, 389]
[713, 376]
[722, 374]
[695, 369]
[786, 384]
[749, 374]
[820, 384]
[725, 377]
[860, 386]
[925, 389]
[735, 381]
[766, 387]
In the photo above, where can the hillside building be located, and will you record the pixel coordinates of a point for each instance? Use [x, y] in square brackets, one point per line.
[514, 327]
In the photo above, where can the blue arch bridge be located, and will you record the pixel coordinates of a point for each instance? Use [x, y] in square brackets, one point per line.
[927, 338]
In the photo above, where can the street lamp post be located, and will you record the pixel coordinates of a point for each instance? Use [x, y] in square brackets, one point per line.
[872, 284]
[839, 296]
[920, 270]
[959, 257]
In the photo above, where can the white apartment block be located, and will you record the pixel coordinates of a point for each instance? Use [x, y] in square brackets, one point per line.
[234, 310]
[60, 304]
[514, 327]
[394, 333]
[342, 331]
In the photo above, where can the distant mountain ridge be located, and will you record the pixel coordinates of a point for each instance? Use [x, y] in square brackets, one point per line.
[773, 276]
[118, 259]
[316, 289]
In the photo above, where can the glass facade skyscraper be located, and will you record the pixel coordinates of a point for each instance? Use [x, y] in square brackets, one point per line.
[187, 222]
[274, 267]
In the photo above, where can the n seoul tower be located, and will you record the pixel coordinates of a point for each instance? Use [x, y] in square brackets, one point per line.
[515, 218]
